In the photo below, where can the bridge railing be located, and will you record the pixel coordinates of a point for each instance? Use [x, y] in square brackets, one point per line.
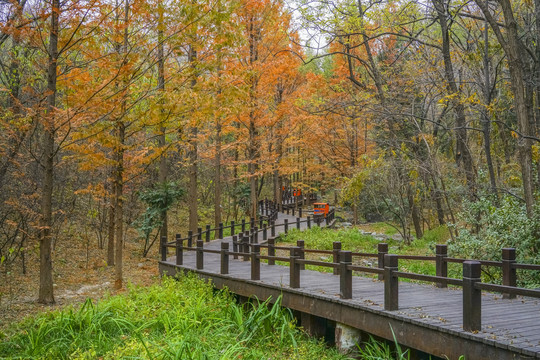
[247, 248]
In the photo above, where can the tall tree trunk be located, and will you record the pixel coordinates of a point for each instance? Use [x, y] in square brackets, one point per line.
[514, 55]
[193, 150]
[162, 176]
[217, 175]
[112, 217]
[46, 295]
[486, 123]
[253, 150]
[120, 130]
[463, 155]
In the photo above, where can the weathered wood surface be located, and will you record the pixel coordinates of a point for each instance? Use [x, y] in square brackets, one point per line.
[429, 318]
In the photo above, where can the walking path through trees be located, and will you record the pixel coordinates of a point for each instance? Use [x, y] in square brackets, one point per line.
[464, 319]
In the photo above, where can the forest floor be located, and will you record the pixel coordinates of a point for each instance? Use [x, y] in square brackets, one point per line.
[78, 274]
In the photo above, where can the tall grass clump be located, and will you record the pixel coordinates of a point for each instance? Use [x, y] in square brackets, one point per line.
[184, 319]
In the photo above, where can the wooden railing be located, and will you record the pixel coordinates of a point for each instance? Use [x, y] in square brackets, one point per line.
[246, 247]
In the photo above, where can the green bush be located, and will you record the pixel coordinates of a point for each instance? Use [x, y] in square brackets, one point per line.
[490, 228]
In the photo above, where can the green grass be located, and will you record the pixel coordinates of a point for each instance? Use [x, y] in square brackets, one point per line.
[183, 319]
[351, 239]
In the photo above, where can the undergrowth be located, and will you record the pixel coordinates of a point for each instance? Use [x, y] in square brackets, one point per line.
[184, 319]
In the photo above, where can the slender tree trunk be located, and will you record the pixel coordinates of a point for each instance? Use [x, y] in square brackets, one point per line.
[217, 175]
[463, 155]
[486, 123]
[120, 129]
[112, 217]
[253, 143]
[513, 50]
[193, 150]
[46, 295]
[163, 169]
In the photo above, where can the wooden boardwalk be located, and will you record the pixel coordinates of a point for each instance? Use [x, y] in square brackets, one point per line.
[429, 318]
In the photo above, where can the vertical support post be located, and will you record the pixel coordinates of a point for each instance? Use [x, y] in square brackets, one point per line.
[260, 223]
[243, 225]
[265, 233]
[336, 249]
[255, 262]
[299, 212]
[309, 222]
[382, 249]
[190, 238]
[271, 250]
[472, 297]
[301, 254]
[235, 246]
[298, 223]
[163, 248]
[251, 223]
[207, 233]
[293, 211]
[273, 229]
[286, 225]
[508, 270]
[179, 250]
[232, 227]
[199, 233]
[345, 279]
[200, 254]
[391, 283]
[294, 281]
[220, 230]
[256, 235]
[326, 219]
[287, 210]
[441, 266]
[245, 247]
[224, 258]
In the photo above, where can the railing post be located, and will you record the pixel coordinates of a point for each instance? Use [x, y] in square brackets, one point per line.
[220, 229]
[199, 233]
[299, 212]
[245, 247]
[345, 279]
[441, 266]
[265, 233]
[255, 262]
[298, 223]
[309, 222]
[179, 250]
[243, 225]
[235, 246]
[391, 283]
[294, 281]
[326, 219]
[273, 229]
[251, 223]
[200, 255]
[271, 250]
[472, 297]
[190, 238]
[255, 235]
[207, 234]
[508, 270]
[260, 223]
[336, 249]
[301, 254]
[163, 248]
[293, 211]
[286, 225]
[224, 258]
[382, 249]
